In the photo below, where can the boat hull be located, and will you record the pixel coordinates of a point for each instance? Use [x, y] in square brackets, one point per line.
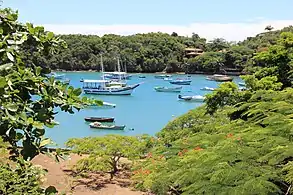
[116, 91]
[99, 119]
[180, 82]
[162, 89]
[108, 127]
[191, 98]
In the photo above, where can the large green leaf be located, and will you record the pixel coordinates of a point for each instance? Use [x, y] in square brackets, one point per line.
[10, 56]
[2, 82]
[12, 107]
[6, 66]
[45, 142]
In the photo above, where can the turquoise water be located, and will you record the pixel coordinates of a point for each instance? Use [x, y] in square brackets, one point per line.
[145, 111]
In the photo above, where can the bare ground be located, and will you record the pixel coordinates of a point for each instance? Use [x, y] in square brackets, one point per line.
[60, 175]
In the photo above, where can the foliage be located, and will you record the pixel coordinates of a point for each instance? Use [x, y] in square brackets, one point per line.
[209, 62]
[24, 179]
[106, 152]
[23, 119]
[220, 156]
[244, 147]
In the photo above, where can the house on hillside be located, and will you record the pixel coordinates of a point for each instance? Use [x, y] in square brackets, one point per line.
[193, 52]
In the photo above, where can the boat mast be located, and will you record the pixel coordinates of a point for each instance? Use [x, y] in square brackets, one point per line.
[119, 69]
[102, 67]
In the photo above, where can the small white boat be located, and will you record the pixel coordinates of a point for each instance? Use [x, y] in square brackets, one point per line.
[168, 79]
[181, 82]
[207, 89]
[162, 76]
[98, 125]
[219, 78]
[168, 89]
[194, 98]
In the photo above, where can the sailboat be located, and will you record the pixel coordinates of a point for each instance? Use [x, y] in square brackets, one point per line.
[107, 87]
[117, 75]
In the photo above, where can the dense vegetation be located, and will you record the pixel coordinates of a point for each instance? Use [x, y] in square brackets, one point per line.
[27, 102]
[239, 142]
[156, 52]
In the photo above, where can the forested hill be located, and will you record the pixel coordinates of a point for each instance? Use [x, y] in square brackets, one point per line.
[156, 52]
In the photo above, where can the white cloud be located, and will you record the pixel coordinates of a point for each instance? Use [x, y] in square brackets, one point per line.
[229, 31]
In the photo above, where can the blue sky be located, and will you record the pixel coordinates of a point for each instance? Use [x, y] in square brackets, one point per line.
[150, 13]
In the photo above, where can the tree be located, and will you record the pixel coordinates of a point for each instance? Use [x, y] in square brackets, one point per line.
[269, 28]
[106, 152]
[174, 34]
[28, 99]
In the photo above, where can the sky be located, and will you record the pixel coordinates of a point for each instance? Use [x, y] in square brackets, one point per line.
[233, 20]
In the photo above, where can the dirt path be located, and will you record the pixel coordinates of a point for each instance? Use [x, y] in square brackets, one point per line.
[59, 176]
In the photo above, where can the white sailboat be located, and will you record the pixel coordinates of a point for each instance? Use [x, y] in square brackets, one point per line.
[107, 87]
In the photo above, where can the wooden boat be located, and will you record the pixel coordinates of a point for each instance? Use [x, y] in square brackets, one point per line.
[219, 78]
[181, 82]
[207, 89]
[195, 98]
[99, 119]
[168, 89]
[98, 125]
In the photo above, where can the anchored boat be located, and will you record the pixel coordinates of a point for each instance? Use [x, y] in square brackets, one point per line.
[162, 76]
[99, 87]
[181, 82]
[168, 89]
[99, 119]
[207, 89]
[219, 78]
[195, 98]
[108, 87]
[98, 125]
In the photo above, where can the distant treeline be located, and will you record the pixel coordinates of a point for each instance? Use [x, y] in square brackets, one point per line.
[156, 52]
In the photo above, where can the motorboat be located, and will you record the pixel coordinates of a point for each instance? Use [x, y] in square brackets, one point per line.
[181, 82]
[98, 125]
[162, 76]
[168, 89]
[219, 78]
[194, 98]
[99, 119]
[208, 89]
[141, 76]
[99, 87]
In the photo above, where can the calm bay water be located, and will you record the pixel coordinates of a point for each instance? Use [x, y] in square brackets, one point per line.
[144, 112]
